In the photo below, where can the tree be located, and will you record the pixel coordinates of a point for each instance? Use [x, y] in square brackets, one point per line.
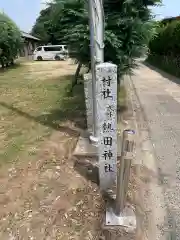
[128, 29]
[166, 42]
[42, 28]
[10, 40]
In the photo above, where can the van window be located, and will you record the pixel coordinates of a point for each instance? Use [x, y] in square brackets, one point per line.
[38, 49]
[53, 49]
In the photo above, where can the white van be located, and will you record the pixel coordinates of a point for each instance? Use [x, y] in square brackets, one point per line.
[50, 52]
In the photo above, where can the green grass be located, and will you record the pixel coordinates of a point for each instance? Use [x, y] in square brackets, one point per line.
[122, 97]
[122, 100]
[33, 104]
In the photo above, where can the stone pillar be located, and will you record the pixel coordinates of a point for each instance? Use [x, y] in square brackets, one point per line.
[106, 85]
[88, 100]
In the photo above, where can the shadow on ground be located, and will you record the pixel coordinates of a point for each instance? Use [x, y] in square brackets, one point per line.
[72, 108]
[122, 109]
[162, 73]
[11, 67]
[87, 169]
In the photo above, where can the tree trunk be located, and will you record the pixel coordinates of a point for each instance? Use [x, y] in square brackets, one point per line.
[2, 63]
[77, 74]
[12, 61]
[75, 79]
[89, 68]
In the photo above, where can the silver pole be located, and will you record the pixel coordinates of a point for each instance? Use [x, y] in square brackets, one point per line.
[96, 23]
[93, 62]
[127, 152]
[99, 25]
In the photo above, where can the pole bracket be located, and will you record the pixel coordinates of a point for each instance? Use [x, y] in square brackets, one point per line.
[126, 218]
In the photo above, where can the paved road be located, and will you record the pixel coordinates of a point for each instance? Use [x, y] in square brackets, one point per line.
[160, 99]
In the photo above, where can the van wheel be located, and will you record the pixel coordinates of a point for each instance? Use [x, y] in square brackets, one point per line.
[57, 58]
[39, 58]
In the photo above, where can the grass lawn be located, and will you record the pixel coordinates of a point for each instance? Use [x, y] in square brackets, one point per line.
[122, 97]
[43, 194]
[33, 104]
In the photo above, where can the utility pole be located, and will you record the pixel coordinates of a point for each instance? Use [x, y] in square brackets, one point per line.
[99, 23]
[94, 137]
[97, 55]
[104, 136]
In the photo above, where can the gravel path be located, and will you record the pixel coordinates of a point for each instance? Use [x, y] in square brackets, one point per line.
[159, 96]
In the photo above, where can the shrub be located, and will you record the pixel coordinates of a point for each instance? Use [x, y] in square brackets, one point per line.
[169, 64]
[167, 41]
[10, 40]
[165, 48]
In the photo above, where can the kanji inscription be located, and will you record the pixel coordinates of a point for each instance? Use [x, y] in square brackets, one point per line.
[107, 118]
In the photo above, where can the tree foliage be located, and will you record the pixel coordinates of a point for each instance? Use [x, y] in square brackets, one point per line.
[167, 40]
[42, 29]
[10, 40]
[128, 29]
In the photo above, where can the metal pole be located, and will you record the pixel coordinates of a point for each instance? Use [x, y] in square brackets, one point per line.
[127, 151]
[99, 26]
[96, 23]
[93, 62]
[119, 214]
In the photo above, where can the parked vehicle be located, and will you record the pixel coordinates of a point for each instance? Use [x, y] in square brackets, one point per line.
[50, 52]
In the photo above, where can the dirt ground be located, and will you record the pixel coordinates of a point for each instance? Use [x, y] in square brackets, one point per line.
[47, 198]
[45, 192]
[42, 196]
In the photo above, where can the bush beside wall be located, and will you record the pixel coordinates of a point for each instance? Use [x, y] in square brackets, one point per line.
[165, 48]
[169, 64]
[10, 40]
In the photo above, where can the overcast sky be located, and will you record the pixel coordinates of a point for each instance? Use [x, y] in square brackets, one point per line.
[25, 12]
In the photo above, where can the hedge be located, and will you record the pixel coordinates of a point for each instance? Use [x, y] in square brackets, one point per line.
[167, 41]
[165, 48]
[169, 64]
[10, 40]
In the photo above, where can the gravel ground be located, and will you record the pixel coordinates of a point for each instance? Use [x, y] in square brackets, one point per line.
[159, 96]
